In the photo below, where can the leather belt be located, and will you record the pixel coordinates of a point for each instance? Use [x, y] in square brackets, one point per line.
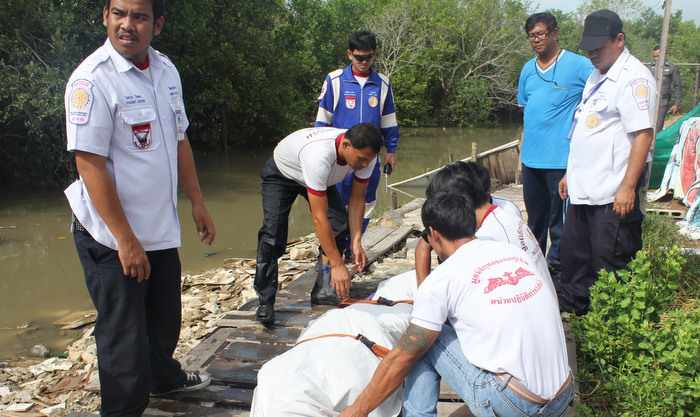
[521, 391]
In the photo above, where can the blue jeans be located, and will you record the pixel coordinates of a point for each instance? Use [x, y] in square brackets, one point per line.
[483, 392]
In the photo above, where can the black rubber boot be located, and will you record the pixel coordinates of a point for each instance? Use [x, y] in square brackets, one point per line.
[265, 314]
[323, 292]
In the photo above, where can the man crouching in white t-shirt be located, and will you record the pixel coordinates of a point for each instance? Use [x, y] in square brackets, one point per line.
[495, 219]
[309, 162]
[503, 349]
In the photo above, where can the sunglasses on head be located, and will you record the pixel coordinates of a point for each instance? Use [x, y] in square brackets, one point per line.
[424, 234]
[362, 58]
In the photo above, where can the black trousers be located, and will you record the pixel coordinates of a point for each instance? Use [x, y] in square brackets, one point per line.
[544, 210]
[594, 238]
[137, 328]
[278, 195]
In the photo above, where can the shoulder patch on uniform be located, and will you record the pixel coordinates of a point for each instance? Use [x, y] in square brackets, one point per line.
[640, 92]
[336, 73]
[80, 101]
[323, 89]
[165, 59]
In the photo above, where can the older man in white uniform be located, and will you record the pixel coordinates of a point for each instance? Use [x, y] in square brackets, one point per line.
[610, 140]
[126, 124]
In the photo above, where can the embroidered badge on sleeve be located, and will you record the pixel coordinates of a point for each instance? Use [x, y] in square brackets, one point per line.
[640, 92]
[81, 99]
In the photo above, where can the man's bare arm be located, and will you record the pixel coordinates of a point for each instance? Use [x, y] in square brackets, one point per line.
[189, 182]
[356, 213]
[103, 194]
[423, 250]
[392, 370]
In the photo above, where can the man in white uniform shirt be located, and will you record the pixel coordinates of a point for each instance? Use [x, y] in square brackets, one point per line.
[610, 140]
[495, 219]
[126, 124]
[502, 349]
[309, 162]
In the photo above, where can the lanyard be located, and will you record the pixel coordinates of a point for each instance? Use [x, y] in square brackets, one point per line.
[583, 103]
[593, 91]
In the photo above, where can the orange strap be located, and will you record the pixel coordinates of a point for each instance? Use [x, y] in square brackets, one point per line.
[378, 350]
[379, 301]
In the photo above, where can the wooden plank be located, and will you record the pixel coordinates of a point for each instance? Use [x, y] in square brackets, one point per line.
[200, 355]
[252, 351]
[282, 319]
[375, 234]
[170, 408]
[220, 395]
[396, 237]
[235, 373]
[282, 335]
[453, 409]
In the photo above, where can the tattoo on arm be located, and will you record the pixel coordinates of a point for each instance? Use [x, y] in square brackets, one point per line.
[417, 340]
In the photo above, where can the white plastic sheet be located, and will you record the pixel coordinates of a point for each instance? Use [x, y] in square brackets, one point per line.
[321, 377]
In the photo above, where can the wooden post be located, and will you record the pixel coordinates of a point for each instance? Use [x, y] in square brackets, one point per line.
[662, 60]
[475, 151]
[394, 200]
[659, 79]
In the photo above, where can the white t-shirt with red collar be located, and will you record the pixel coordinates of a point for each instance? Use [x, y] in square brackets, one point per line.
[310, 157]
[505, 316]
[502, 225]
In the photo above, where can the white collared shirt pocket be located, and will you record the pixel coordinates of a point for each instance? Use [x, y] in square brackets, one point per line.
[140, 123]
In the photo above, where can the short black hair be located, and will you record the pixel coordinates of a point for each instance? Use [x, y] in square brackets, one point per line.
[467, 178]
[363, 135]
[362, 40]
[656, 48]
[158, 7]
[451, 214]
[545, 17]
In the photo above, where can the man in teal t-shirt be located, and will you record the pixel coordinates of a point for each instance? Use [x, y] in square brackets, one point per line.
[549, 89]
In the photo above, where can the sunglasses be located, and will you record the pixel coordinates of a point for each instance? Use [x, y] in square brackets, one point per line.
[362, 58]
[424, 234]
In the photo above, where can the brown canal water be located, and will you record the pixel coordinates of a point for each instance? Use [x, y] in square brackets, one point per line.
[41, 279]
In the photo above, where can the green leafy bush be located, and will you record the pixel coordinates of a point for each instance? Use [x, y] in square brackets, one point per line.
[639, 346]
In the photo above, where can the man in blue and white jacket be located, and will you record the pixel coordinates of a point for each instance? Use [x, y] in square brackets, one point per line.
[359, 94]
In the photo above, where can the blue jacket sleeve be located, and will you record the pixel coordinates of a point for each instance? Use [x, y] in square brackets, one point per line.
[324, 116]
[389, 124]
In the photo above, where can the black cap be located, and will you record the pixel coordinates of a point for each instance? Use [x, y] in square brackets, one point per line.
[598, 28]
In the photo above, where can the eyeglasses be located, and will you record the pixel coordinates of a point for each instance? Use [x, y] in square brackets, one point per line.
[537, 35]
[424, 234]
[362, 58]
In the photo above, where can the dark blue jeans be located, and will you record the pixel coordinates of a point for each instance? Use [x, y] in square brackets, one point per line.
[544, 209]
[137, 328]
